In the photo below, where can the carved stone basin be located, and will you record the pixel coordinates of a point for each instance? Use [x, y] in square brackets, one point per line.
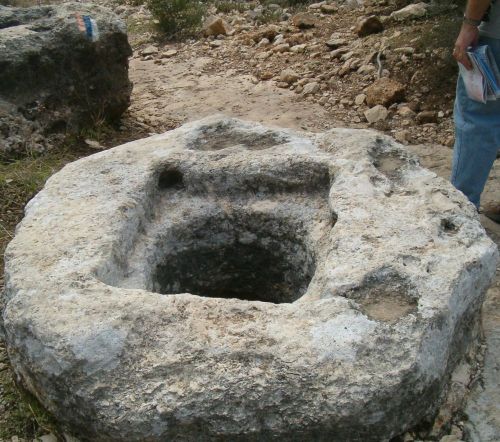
[228, 281]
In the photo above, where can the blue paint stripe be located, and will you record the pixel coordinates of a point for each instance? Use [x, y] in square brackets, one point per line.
[88, 25]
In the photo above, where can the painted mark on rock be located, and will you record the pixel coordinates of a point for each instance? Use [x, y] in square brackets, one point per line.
[86, 24]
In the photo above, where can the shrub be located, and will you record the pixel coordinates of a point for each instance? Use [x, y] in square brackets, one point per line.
[287, 3]
[230, 6]
[177, 17]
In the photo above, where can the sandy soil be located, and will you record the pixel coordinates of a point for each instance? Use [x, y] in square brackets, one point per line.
[181, 91]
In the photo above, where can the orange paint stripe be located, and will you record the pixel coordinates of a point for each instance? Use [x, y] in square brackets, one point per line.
[80, 23]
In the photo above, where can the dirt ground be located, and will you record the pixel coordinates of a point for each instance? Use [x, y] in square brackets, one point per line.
[234, 79]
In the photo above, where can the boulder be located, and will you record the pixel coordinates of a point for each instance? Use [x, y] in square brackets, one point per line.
[62, 68]
[316, 6]
[360, 99]
[169, 53]
[150, 50]
[311, 88]
[415, 10]
[427, 117]
[385, 91]
[269, 32]
[376, 113]
[289, 76]
[335, 43]
[304, 20]
[215, 26]
[366, 69]
[248, 283]
[329, 9]
[282, 47]
[339, 53]
[368, 25]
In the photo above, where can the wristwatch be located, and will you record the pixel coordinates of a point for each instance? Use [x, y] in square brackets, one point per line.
[471, 21]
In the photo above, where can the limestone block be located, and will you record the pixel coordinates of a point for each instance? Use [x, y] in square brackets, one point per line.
[231, 281]
[62, 68]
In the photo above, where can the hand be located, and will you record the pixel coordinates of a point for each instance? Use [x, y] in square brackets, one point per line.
[469, 36]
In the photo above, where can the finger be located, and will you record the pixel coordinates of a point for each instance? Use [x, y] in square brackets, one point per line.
[466, 62]
[461, 56]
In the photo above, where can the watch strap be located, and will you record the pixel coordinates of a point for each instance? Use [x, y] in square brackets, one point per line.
[471, 21]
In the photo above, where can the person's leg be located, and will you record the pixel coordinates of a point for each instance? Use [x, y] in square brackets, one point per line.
[477, 138]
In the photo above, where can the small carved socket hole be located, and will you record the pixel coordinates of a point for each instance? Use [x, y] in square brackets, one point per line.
[448, 226]
[170, 179]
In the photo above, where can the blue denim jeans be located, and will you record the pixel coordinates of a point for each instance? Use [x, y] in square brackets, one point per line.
[477, 137]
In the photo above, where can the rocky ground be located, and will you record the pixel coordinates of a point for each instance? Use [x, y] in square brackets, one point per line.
[312, 71]
[317, 58]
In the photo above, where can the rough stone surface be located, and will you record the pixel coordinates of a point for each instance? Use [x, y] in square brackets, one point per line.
[227, 281]
[55, 76]
[483, 418]
[385, 91]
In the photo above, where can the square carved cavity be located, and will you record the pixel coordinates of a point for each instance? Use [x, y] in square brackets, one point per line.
[249, 257]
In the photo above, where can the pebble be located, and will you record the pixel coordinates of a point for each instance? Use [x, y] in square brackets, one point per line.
[329, 9]
[376, 113]
[337, 53]
[284, 47]
[149, 50]
[335, 43]
[346, 56]
[360, 99]
[403, 136]
[298, 48]
[94, 144]
[450, 438]
[366, 69]
[406, 112]
[289, 76]
[407, 50]
[427, 117]
[311, 88]
[168, 54]
[263, 42]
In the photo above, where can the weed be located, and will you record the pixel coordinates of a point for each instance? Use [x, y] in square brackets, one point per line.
[20, 412]
[288, 3]
[229, 6]
[24, 417]
[177, 18]
[21, 179]
[269, 16]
